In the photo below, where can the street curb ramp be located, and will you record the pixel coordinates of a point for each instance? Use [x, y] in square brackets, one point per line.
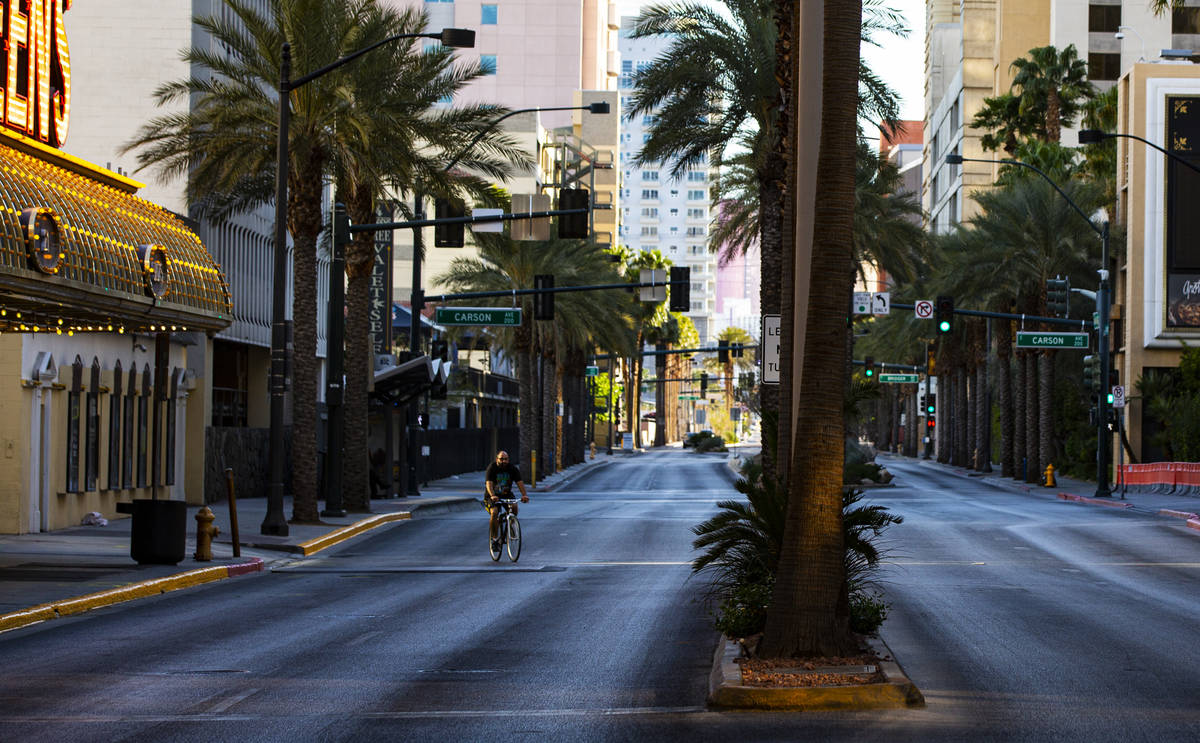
[727, 691]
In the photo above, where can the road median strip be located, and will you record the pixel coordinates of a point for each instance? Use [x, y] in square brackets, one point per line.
[727, 690]
[144, 589]
[1177, 514]
[1094, 501]
[313, 546]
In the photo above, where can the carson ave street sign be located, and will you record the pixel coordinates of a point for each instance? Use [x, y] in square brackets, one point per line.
[510, 316]
[1052, 340]
[898, 378]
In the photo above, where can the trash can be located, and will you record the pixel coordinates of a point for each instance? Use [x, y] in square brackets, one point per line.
[159, 531]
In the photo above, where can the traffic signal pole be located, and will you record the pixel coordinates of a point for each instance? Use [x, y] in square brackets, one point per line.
[1103, 435]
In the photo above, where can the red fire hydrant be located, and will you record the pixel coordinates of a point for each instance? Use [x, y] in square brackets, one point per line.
[205, 531]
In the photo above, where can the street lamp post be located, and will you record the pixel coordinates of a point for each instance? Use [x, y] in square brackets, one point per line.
[274, 522]
[417, 298]
[1103, 441]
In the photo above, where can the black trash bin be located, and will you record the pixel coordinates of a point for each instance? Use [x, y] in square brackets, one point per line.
[159, 531]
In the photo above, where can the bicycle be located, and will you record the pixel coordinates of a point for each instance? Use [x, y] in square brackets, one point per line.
[508, 532]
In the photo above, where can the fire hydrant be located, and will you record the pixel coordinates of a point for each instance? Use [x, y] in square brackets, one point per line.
[205, 531]
[1050, 477]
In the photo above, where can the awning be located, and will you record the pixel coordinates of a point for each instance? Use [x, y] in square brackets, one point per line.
[79, 251]
[403, 383]
[402, 318]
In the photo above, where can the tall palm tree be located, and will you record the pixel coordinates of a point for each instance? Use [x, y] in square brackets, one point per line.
[225, 144]
[391, 134]
[646, 315]
[810, 613]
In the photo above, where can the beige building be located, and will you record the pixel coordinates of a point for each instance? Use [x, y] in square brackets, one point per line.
[1157, 290]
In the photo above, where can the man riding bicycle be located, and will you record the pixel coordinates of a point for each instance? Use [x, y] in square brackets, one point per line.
[499, 481]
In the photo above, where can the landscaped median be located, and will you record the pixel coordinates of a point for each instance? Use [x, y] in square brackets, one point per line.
[90, 601]
[727, 689]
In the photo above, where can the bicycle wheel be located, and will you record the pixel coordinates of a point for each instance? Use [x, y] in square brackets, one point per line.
[495, 545]
[514, 537]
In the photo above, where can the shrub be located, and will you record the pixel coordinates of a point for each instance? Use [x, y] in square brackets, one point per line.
[744, 612]
[867, 612]
[710, 443]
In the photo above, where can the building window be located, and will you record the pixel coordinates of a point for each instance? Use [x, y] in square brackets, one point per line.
[645, 138]
[1185, 21]
[1104, 66]
[649, 120]
[696, 231]
[649, 193]
[695, 195]
[488, 63]
[696, 213]
[129, 456]
[649, 231]
[1104, 18]
[169, 447]
[626, 66]
[73, 421]
[114, 431]
[649, 175]
[697, 176]
[955, 118]
[143, 427]
[650, 211]
[487, 15]
[91, 435]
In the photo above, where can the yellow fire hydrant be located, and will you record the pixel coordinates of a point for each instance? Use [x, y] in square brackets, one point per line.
[1050, 477]
[205, 531]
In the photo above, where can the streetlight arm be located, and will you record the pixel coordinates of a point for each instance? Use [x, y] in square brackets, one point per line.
[953, 159]
[601, 107]
[453, 35]
[1092, 136]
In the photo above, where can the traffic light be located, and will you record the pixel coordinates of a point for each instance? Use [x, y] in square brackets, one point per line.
[341, 227]
[1058, 296]
[736, 350]
[723, 351]
[438, 391]
[930, 422]
[703, 383]
[931, 404]
[944, 313]
[543, 301]
[681, 288]
[448, 235]
[1091, 373]
[869, 367]
[1114, 379]
[574, 226]
[439, 350]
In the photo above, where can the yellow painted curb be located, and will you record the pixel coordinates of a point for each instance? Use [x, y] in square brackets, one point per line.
[144, 589]
[313, 546]
[726, 688]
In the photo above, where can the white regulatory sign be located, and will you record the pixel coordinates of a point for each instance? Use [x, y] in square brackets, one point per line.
[923, 309]
[1118, 393]
[770, 349]
[862, 303]
[881, 303]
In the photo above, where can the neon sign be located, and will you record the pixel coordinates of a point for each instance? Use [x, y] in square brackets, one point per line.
[35, 89]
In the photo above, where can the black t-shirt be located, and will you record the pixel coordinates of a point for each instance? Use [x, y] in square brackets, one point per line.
[504, 476]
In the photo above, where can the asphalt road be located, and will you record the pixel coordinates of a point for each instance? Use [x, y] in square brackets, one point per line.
[1019, 617]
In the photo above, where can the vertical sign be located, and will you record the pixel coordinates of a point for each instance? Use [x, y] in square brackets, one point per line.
[379, 309]
[770, 349]
[1183, 219]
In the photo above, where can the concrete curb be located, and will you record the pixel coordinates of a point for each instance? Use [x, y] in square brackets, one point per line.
[1194, 524]
[725, 688]
[313, 546]
[90, 601]
[1177, 514]
[1093, 501]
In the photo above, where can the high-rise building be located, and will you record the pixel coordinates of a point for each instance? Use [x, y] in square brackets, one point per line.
[658, 212]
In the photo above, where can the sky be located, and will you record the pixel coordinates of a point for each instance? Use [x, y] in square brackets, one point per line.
[899, 61]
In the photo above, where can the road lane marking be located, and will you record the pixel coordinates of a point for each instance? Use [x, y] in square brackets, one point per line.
[220, 707]
[390, 715]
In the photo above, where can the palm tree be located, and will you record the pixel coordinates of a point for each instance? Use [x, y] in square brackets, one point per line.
[808, 615]
[1050, 88]
[385, 139]
[645, 315]
[225, 144]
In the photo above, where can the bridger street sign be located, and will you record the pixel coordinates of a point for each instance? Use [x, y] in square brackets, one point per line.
[898, 379]
[1052, 340]
[509, 316]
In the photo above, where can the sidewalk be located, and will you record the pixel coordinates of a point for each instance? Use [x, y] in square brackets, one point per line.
[1184, 507]
[52, 574]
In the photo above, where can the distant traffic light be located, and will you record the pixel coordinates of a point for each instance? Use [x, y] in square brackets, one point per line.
[448, 235]
[869, 367]
[439, 350]
[543, 301]
[1058, 296]
[681, 288]
[736, 350]
[929, 422]
[1091, 373]
[723, 351]
[944, 313]
[931, 403]
[703, 382]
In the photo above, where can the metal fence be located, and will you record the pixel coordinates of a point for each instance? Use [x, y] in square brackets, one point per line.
[455, 451]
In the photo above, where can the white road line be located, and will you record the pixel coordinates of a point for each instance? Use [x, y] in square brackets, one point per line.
[220, 707]
[322, 715]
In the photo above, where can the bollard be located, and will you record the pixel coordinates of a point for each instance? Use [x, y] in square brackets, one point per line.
[1049, 480]
[593, 446]
[233, 524]
[205, 531]
[533, 468]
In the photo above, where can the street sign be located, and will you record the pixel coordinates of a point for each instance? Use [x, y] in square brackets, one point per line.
[591, 371]
[770, 349]
[862, 303]
[653, 293]
[881, 303]
[923, 308]
[1052, 340]
[898, 378]
[688, 397]
[507, 316]
[1118, 393]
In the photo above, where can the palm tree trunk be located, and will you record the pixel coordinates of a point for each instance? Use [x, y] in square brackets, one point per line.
[305, 223]
[1046, 407]
[945, 394]
[910, 425]
[526, 392]
[1032, 469]
[807, 616]
[660, 394]
[972, 421]
[1020, 400]
[1004, 389]
[360, 261]
[983, 419]
[559, 420]
[549, 417]
[961, 414]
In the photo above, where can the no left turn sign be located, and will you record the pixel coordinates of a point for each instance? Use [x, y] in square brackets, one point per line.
[923, 308]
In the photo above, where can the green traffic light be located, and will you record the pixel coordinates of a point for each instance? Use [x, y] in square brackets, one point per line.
[929, 409]
[944, 326]
[1110, 398]
[870, 372]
